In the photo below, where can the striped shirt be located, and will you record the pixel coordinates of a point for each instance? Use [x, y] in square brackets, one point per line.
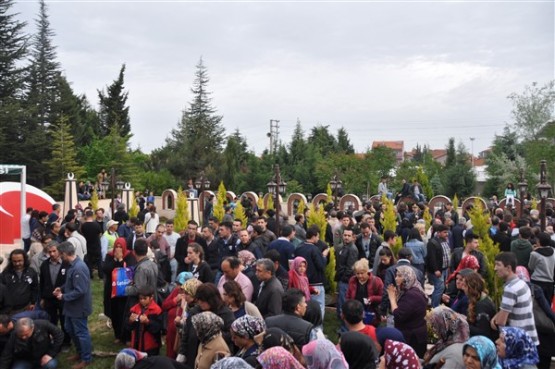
[517, 301]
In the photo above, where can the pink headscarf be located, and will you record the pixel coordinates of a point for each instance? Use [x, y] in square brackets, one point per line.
[522, 273]
[297, 280]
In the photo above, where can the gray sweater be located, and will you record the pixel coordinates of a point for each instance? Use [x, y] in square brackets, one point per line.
[542, 264]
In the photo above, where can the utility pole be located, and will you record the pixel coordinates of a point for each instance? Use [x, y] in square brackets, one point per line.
[472, 151]
[274, 135]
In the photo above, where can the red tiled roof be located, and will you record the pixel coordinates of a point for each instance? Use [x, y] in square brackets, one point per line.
[394, 145]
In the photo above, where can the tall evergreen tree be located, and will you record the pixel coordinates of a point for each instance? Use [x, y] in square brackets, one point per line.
[13, 49]
[113, 112]
[197, 142]
[451, 153]
[41, 94]
[322, 140]
[44, 71]
[343, 143]
[234, 162]
[63, 159]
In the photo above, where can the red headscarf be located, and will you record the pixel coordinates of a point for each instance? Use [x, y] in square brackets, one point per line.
[120, 242]
[399, 355]
[299, 281]
[468, 262]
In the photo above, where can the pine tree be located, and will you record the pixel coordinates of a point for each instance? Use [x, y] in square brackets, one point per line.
[134, 207]
[13, 49]
[260, 202]
[94, 199]
[456, 203]
[234, 161]
[239, 213]
[451, 153]
[41, 94]
[480, 227]
[63, 160]
[343, 143]
[317, 216]
[221, 198]
[270, 203]
[422, 178]
[329, 193]
[197, 142]
[181, 211]
[114, 114]
[301, 207]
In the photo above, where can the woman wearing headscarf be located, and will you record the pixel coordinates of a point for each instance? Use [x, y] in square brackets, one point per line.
[453, 297]
[322, 354]
[452, 332]
[387, 333]
[278, 358]
[212, 345]
[171, 305]
[479, 353]
[408, 305]
[298, 278]
[188, 338]
[132, 359]
[209, 299]
[249, 269]
[359, 350]
[516, 350]
[277, 337]
[398, 355]
[247, 333]
[114, 307]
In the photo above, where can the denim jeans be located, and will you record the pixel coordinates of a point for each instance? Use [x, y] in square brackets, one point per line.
[439, 287]
[23, 364]
[342, 287]
[173, 266]
[79, 332]
[320, 299]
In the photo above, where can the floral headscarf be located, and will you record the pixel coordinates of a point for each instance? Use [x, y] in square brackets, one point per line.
[450, 328]
[399, 355]
[486, 351]
[522, 273]
[248, 326]
[207, 325]
[247, 258]
[299, 281]
[322, 354]
[278, 358]
[468, 262]
[190, 286]
[519, 348]
[231, 363]
[409, 280]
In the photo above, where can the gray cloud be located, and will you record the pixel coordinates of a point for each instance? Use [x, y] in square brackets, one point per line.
[416, 71]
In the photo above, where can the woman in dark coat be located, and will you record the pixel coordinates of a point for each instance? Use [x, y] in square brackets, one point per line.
[359, 350]
[114, 307]
[408, 304]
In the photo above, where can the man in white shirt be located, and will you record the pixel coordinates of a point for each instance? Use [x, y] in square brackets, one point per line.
[171, 237]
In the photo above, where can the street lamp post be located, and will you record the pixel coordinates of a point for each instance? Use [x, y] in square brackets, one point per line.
[336, 184]
[523, 187]
[201, 184]
[543, 189]
[113, 184]
[276, 187]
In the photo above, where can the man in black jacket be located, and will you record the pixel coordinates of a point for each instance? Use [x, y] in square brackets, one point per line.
[53, 275]
[33, 343]
[291, 321]
[270, 292]
[367, 242]
[438, 261]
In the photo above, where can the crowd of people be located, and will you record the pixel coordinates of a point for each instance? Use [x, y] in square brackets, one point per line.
[234, 295]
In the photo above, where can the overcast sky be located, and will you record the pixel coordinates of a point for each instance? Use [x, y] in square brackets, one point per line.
[415, 71]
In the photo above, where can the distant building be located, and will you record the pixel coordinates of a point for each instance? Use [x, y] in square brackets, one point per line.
[397, 146]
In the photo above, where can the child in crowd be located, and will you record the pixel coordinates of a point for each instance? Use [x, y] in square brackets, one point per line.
[145, 323]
